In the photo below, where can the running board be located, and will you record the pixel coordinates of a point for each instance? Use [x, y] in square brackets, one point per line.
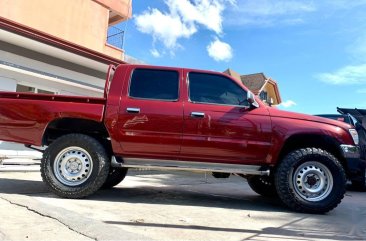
[152, 164]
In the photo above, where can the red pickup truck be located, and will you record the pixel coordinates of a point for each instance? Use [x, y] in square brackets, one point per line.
[182, 119]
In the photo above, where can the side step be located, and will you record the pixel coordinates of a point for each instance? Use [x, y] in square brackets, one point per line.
[152, 164]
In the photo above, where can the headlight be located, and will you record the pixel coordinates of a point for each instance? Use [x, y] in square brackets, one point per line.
[354, 135]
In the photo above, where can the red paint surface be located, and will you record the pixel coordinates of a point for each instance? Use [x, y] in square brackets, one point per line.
[164, 129]
[24, 117]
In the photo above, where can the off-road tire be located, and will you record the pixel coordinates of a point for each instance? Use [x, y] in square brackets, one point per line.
[263, 185]
[284, 177]
[97, 176]
[115, 176]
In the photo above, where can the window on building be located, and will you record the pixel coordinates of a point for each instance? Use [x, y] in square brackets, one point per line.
[263, 96]
[216, 89]
[154, 84]
[29, 89]
[39, 91]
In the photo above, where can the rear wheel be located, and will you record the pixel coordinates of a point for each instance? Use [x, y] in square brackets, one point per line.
[263, 185]
[310, 180]
[75, 166]
[115, 176]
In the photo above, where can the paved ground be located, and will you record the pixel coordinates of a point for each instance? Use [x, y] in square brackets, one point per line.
[4, 146]
[175, 206]
[18, 151]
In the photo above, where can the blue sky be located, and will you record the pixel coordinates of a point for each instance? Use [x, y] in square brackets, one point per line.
[315, 50]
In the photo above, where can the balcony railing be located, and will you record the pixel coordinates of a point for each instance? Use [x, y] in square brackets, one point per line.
[115, 37]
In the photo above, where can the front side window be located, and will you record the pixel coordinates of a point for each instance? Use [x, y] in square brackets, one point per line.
[154, 84]
[215, 89]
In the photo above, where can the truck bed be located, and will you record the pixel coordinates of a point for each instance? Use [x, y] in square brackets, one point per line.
[25, 116]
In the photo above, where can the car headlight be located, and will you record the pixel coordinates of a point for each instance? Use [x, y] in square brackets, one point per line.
[354, 135]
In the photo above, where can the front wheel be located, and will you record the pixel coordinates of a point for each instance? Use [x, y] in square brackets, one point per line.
[310, 180]
[75, 166]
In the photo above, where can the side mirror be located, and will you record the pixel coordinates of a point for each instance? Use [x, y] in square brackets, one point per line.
[251, 100]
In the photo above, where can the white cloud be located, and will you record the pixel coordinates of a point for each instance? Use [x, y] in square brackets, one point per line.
[358, 47]
[182, 20]
[269, 12]
[163, 27]
[361, 91]
[288, 103]
[348, 75]
[345, 4]
[353, 73]
[273, 8]
[204, 12]
[155, 53]
[220, 51]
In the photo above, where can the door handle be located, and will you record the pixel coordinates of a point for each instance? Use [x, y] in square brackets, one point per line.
[133, 110]
[198, 114]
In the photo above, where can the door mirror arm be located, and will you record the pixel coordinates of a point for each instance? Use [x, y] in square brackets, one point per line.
[251, 100]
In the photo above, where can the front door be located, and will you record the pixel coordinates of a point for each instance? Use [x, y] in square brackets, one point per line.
[219, 125]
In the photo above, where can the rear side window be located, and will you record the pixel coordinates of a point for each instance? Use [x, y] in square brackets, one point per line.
[154, 84]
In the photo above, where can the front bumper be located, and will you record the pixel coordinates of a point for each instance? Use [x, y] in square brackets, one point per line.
[355, 165]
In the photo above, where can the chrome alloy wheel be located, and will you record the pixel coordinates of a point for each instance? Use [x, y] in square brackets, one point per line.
[73, 166]
[312, 181]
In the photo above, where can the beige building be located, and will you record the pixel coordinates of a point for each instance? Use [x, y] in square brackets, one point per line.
[82, 22]
[266, 88]
[59, 46]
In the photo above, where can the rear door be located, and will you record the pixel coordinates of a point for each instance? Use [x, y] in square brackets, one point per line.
[150, 118]
[219, 126]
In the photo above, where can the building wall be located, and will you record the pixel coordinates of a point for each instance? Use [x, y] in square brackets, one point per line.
[83, 22]
[122, 9]
[269, 88]
[7, 84]
[16, 69]
[24, 61]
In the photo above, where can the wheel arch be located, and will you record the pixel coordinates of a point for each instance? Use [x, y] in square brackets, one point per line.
[63, 126]
[325, 142]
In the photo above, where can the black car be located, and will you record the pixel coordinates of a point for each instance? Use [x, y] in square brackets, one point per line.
[338, 117]
[357, 118]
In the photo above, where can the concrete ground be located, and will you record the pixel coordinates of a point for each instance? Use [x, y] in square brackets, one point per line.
[172, 206]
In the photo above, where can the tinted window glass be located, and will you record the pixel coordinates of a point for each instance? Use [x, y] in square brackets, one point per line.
[154, 84]
[210, 88]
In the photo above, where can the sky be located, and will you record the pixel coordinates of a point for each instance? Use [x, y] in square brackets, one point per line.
[315, 50]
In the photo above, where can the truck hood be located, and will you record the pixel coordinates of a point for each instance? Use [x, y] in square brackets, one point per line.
[274, 112]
